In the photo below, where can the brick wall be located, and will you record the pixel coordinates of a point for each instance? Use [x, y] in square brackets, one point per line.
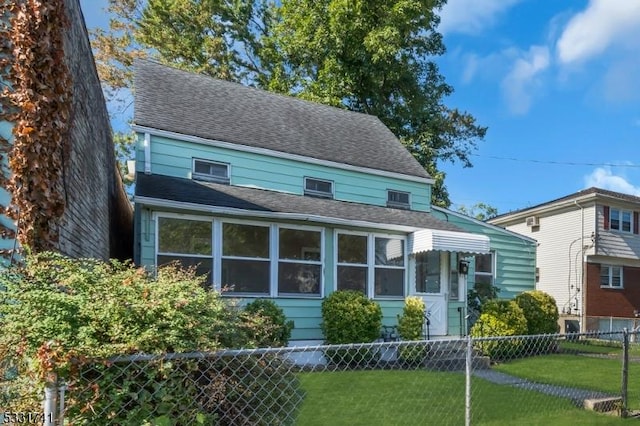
[98, 217]
[612, 302]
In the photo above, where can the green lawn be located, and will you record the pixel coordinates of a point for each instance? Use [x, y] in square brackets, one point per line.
[426, 397]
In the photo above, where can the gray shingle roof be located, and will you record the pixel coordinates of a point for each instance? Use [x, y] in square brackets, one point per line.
[182, 102]
[213, 194]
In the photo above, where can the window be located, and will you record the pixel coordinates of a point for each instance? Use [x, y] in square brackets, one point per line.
[187, 242]
[318, 187]
[454, 282]
[428, 272]
[372, 264]
[621, 220]
[210, 170]
[299, 261]
[246, 259]
[246, 264]
[611, 276]
[398, 199]
[483, 279]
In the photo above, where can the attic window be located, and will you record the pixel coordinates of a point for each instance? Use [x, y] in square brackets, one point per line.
[398, 199]
[210, 170]
[318, 187]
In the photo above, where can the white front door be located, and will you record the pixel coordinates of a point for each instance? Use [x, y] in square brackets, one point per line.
[431, 284]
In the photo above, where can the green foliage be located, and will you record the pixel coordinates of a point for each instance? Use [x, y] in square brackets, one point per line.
[60, 316]
[280, 331]
[480, 294]
[480, 211]
[374, 56]
[500, 318]
[350, 317]
[410, 325]
[412, 319]
[540, 310]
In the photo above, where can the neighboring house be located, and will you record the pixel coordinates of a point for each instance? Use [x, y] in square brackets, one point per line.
[588, 256]
[97, 217]
[276, 197]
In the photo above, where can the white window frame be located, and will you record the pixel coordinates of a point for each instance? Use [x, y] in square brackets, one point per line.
[611, 275]
[277, 260]
[621, 213]
[397, 204]
[371, 262]
[217, 257]
[209, 177]
[486, 274]
[315, 193]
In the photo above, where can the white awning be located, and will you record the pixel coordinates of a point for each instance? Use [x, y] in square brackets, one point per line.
[433, 239]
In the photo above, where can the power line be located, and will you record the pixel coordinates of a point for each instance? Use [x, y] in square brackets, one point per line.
[560, 163]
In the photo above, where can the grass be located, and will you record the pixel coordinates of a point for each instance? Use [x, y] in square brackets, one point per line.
[422, 397]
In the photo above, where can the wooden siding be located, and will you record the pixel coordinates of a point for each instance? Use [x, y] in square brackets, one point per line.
[174, 158]
[515, 256]
[558, 252]
[305, 312]
[614, 243]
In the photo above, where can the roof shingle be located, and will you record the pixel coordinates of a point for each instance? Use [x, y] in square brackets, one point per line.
[192, 104]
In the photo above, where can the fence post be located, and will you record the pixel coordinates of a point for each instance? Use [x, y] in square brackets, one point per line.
[50, 393]
[625, 371]
[467, 392]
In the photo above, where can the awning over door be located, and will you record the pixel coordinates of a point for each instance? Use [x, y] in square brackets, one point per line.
[434, 239]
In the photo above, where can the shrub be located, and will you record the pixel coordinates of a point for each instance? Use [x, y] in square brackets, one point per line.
[410, 325]
[350, 317]
[277, 330]
[540, 310]
[61, 316]
[500, 318]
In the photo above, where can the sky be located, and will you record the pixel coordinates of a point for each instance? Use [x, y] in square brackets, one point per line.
[557, 83]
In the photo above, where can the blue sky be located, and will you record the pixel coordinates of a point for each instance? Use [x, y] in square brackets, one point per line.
[556, 82]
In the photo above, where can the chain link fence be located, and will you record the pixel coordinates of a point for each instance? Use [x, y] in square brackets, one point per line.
[543, 379]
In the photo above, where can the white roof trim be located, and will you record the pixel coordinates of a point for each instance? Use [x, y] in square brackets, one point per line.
[437, 240]
[156, 202]
[278, 154]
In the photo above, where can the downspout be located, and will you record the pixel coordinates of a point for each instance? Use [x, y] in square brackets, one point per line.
[583, 288]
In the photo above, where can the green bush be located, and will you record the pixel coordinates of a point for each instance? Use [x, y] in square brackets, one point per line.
[350, 317]
[500, 318]
[60, 316]
[540, 310]
[410, 327]
[277, 330]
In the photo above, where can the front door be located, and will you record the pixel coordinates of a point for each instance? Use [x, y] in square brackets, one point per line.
[431, 286]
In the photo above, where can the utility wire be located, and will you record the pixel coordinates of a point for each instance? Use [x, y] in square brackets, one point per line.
[561, 163]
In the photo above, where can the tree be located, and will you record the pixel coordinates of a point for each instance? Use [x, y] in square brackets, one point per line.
[375, 57]
[480, 211]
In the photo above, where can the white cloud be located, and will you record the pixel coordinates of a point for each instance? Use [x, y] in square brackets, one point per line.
[471, 16]
[524, 77]
[602, 24]
[603, 178]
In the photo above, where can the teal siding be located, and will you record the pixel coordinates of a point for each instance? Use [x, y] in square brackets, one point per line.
[454, 326]
[515, 256]
[174, 158]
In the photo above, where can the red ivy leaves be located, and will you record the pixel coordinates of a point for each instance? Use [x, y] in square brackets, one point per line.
[38, 101]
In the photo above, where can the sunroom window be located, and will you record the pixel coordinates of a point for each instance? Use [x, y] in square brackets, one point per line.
[245, 258]
[187, 242]
[299, 261]
[374, 265]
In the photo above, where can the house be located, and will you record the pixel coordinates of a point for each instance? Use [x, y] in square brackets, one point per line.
[588, 256]
[92, 215]
[273, 196]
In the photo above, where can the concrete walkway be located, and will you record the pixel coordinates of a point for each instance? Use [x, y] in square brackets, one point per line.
[576, 395]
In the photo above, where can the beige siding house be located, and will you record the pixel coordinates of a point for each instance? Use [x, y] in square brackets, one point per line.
[588, 256]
